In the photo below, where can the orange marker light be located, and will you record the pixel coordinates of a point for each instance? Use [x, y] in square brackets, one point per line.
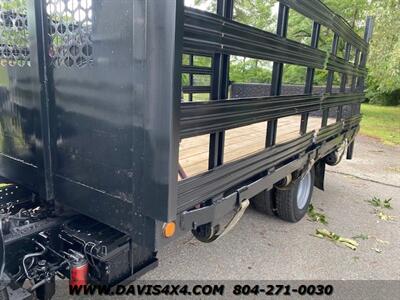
[169, 229]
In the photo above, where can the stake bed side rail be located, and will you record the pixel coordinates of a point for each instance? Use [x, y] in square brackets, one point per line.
[197, 189]
[199, 118]
[320, 13]
[209, 33]
[326, 142]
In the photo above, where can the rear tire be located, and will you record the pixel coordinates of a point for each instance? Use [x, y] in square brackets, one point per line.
[292, 201]
[263, 202]
[206, 233]
[333, 159]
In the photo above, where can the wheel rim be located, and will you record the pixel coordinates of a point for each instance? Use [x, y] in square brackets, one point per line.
[303, 191]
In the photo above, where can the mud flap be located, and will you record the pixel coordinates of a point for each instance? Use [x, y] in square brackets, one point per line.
[350, 151]
[319, 168]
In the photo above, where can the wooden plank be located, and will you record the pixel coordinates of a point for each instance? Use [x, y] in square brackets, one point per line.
[239, 142]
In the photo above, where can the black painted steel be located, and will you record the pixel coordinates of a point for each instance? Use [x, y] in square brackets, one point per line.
[196, 70]
[26, 154]
[364, 55]
[359, 82]
[191, 77]
[91, 115]
[331, 74]
[217, 210]
[277, 74]
[113, 157]
[320, 13]
[202, 187]
[196, 89]
[191, 69]
[209, 33]
[94, 134]
[197, 189]
[199, 118]
[47, 112]
[308, 89]
[220, 87]
[343, 81]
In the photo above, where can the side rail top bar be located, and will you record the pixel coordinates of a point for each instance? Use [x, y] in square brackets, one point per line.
[210, 33]
[320, 13]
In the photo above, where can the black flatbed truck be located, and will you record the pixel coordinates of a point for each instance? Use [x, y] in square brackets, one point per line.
[92, 118]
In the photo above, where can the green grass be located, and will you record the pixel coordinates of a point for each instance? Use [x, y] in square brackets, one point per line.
[382, 122]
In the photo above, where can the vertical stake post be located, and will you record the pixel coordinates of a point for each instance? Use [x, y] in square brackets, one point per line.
[310, 76]
[329, 84]
[277, 74]
[220, 85]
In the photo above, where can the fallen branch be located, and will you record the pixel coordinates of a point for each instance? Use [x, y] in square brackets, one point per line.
[337, 239]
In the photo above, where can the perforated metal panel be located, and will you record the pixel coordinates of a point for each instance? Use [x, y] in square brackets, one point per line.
[70, 30]
[14, 43]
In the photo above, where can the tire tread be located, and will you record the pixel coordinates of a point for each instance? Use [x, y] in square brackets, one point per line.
[286, 201]
[263, 202]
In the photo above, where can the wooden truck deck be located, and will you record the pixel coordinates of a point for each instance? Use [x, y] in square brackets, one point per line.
[240, 142]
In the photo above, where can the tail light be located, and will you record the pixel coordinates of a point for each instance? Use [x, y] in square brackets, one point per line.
[79, 273]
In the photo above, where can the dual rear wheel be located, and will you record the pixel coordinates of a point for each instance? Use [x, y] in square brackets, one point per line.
[289, 203]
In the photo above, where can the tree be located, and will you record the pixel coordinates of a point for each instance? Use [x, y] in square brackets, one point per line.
[384, 58]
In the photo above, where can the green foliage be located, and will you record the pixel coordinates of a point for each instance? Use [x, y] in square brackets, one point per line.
[15, 5]
[384, 57]
[199, 61]
[353, 11]
[246, 70]
[293, 74]
[381, 122]
[259, 14]
[13, 35]
[377, 202]
[256, 13]
[320, 77]
[382, 98]
[384, 60]
[299, 28]
[316, 216]
[185, 79]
